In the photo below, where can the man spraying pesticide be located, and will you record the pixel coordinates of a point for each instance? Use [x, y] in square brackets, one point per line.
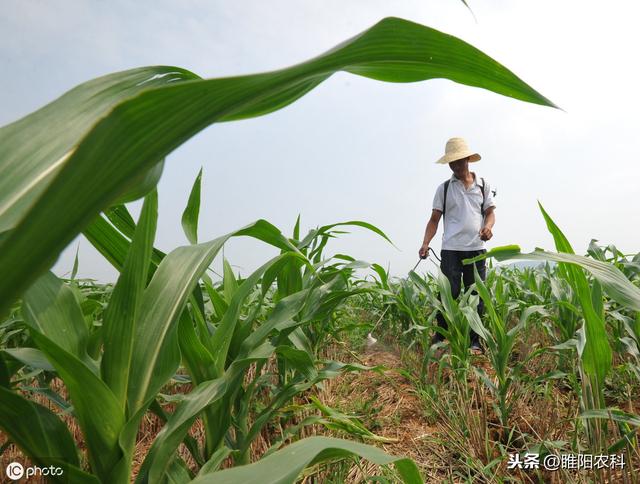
[465, 201]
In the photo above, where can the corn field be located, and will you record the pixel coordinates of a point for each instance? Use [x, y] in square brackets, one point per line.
[176, 374]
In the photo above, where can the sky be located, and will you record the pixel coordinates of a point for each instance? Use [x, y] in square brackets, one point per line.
[355, 148]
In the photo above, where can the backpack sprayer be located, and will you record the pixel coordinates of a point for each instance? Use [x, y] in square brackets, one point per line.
[370, 339]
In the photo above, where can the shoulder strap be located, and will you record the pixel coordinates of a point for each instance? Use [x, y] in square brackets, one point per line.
[483, 197]
[444, 198]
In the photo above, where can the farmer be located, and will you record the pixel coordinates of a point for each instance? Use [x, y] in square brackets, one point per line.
[466, 203]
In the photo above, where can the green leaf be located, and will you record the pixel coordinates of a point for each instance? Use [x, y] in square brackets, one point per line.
[159, 456]
[614, 283]
[191, 211]
[34, 149]
[31, 357]
[162, 303]
[356, 223]
[178, 472]
[111, 242]
[104, 140]
[37, 430]
[299, 360]
[96, 408]
[215, 461]
[196, 356]
[108, 241]
[613, 414]
[221, 339]
[120, 317]
[50, 308]
[280, 318]
[285, 465]
[229, 282]
[120, 217]
[296, 229]
[336, 420]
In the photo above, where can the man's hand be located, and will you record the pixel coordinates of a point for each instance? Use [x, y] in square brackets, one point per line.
[424, 251]
[485, 233]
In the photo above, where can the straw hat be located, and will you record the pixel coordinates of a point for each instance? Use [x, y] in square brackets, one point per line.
[456, 149]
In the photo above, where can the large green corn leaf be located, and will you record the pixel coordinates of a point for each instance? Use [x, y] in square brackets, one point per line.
[161, 306]
[101, 140]
[38, 431]
[596, 355]
[120, 317]
[96, 408]
[285, 465]
[34, 149]
[51, 309]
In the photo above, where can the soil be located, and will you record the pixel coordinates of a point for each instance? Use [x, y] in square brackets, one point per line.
[387, 404]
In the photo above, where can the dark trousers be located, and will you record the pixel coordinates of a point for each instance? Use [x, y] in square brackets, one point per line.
[452, 267]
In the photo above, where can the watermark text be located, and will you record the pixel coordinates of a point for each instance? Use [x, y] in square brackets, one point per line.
[552, 462]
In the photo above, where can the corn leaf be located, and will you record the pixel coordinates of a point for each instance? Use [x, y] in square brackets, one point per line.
[613, 414]
[285, 465]
[31, 357]
[121, 314]
[192, 210]
[96, 408]
[37, 430]
[613, 281]
[51, 308]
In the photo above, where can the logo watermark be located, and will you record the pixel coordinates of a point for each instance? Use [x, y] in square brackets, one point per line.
[16, 471]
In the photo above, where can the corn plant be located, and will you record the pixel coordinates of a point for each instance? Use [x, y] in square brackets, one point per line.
[592, 343]
[499, 340]
[457, 331]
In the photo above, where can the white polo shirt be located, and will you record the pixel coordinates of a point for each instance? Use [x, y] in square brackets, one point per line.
[463, 218]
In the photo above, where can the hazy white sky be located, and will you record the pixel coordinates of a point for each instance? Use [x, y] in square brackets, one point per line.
[355, 148]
